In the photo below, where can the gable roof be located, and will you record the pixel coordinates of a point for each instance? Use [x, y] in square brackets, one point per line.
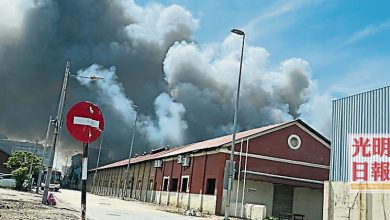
[216, 142]
[219, 141]
[134, 160]
[326, 140]
[227, 139]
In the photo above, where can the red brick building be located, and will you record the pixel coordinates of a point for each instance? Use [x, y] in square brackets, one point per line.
[281, 166]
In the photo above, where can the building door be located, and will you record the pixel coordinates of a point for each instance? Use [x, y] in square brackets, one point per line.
[283, 199]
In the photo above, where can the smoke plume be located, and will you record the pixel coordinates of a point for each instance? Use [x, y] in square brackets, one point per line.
[184, 91]
[168, 126]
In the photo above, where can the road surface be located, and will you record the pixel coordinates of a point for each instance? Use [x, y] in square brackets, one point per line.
[105, 208]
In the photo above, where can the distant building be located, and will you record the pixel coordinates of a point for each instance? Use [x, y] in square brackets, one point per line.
[74, 172]
[282, 167]
[9, 146]
[3, 158]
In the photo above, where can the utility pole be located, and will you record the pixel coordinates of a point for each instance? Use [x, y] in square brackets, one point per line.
[57, 125]
[43, 156]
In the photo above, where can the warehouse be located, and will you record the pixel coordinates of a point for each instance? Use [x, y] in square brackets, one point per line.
[280, 166]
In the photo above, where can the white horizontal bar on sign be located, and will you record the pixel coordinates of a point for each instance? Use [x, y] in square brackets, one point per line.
[86, 121]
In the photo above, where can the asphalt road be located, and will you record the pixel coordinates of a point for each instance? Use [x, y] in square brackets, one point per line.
[105, 208]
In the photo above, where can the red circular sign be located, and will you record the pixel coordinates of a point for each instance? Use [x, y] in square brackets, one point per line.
[85, 121]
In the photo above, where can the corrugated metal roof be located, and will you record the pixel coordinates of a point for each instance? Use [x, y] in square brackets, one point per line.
[219, 141]
[207, 144]
[135, 159]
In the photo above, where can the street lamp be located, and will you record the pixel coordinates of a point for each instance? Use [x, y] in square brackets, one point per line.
[97, 162]
[230, 163]
[130, 152]
[30, 170]
[57, 125]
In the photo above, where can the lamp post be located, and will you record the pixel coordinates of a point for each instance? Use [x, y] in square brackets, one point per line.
[130, 152]
[66, 165]
[97, 162]
[230, 163]
[57, 125]
[30, 170]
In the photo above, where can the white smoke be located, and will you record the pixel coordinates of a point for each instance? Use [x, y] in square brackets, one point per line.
[168, 127]
[185, 91]
[202, 81]
[110, 92]
[159, 24]
[205, 79]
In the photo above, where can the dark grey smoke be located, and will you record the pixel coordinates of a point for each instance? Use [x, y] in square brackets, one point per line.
[294, 90]
[184, 93]
[3, 137]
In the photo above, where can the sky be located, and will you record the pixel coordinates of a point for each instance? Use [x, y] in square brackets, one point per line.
[176, 59]
[340, 39]
[346, 42]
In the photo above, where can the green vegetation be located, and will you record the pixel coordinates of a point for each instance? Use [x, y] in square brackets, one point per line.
[19, 162]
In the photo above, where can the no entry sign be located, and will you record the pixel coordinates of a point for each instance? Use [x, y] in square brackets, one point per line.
[85, 122]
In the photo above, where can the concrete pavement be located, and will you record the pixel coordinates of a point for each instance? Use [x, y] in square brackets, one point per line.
[105, 208]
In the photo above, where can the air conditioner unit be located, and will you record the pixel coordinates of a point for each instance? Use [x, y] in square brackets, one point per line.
[186, 161]
[158, 163]
[180, 158]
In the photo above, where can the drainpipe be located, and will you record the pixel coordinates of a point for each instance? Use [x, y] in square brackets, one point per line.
[204, 180]
[190, 182]
[238, 179]
[243, 187]
[148, 183]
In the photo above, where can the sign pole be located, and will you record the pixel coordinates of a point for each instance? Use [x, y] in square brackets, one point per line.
[85, 123]
[84, 182]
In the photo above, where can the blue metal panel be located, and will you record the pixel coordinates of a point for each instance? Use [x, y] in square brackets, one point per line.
[368, 113]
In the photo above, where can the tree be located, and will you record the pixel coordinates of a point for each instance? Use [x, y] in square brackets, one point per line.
[19, 162]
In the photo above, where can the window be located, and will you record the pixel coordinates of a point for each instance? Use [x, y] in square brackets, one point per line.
[294, 142]
[184, 184]
[210, 187]
[165, 183]
[174, 185]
